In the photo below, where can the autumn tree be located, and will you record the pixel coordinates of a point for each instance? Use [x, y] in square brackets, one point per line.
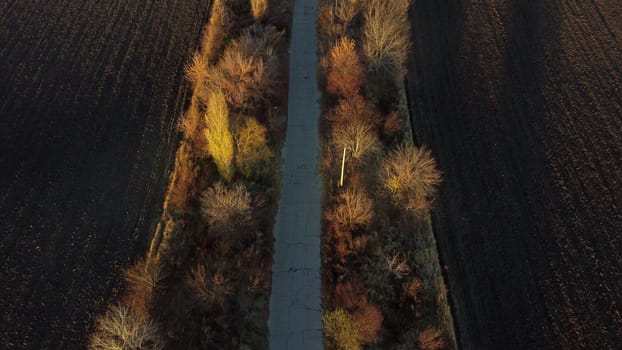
[248, 71]
[354, 209]
[346, 73]
[215, 31]
[386, 35]
[218, 135]
[355, 107]
[226, 209]
[121, 329]
[254, 156]
[410, 175]
[341, 331]
[357, 136]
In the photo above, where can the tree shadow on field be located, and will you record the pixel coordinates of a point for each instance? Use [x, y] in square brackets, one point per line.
[475, 84]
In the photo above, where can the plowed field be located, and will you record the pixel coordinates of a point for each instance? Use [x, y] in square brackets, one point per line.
[521, 102]
[89, 94]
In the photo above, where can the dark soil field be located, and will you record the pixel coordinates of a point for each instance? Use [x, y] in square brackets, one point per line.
[89, 94]
[521, 102]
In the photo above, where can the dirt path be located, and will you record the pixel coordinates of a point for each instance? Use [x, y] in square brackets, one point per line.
[295, 303]
[521, 104]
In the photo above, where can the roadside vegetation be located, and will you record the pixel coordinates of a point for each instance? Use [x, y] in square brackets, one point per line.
[382, 283]
[205, 282]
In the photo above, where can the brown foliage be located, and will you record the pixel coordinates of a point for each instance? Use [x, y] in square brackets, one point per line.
[350, 294]
[183, 183]
[393, 124]
[191, 124]
[410, 174]
[215, 31]
[414, 289]
[259, 8]
[226, 210]
[431, 339]
[354, 107]
[209, 288]
[346, 73]
[354, 209]
[248, 71]
[370, 318]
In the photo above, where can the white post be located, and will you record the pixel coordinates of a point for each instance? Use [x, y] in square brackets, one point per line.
[343, 164]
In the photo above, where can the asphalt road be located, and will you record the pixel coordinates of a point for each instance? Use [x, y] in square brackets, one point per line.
[295, 303]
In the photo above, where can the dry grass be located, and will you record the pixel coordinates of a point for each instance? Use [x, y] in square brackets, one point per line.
[410, 174]
[386, 35]
[121, 329]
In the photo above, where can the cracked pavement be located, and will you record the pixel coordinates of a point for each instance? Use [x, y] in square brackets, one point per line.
[295, 302]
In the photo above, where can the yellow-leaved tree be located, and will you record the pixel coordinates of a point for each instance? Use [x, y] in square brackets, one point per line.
[219, 140]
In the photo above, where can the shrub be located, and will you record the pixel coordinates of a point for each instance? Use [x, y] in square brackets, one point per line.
[349, 294]
[190, 125]
[184, 179]
[341, 331]
[119, 328]
[358, 136]
[218, 135]
[248, 71]
[398, 265]
[431, 339]
[346, 74]
[414, 289]
[411, 176]
[386, 35]
[354, 209]
[369, 318]
[253, 157]
[258, 8]
[354, 107]
[346, 10]
[215, 31]
[209, 290]
[226, 209]
[196, 70]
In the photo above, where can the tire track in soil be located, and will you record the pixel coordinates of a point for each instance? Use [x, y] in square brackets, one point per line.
[521, 104]
[90, 94]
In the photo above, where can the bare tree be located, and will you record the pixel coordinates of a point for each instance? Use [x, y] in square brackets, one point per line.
[410, 174]
[386, 35]
[357, 136]
[248, 71]
[120, 329]
[354, 209]
[226, 209]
